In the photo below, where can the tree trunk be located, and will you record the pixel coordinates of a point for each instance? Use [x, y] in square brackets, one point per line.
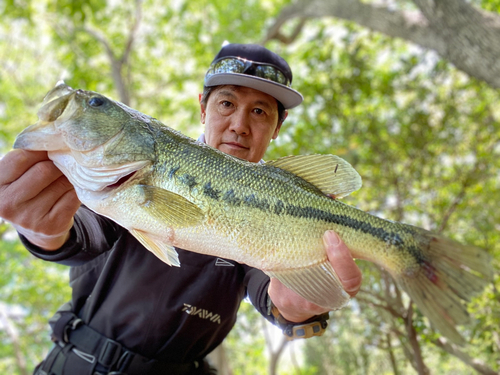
[218, 359]
[391, 355]
[11, 331]
[275, 356]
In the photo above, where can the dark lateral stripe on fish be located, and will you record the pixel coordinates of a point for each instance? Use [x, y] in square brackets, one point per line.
[252, 201]
[280, 208]
[189, 180]
[314, 213]
[172, 172]
[210, 192]
[388, 237]
[231, 198]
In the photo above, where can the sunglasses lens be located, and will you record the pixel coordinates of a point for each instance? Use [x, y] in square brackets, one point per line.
[235, 65]
[229, 66]
[271, 73]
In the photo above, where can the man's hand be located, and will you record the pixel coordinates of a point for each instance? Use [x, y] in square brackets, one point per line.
[37, 198]
[293, 307]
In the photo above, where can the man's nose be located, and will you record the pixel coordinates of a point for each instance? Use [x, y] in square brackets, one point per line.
[240, 123]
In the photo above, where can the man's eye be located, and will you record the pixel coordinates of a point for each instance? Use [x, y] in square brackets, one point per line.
[225, 103]
[258, 111]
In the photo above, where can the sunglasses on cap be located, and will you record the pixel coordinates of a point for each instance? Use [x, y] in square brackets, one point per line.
[243, 66]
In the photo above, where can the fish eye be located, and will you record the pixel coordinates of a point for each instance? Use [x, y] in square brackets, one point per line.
[96, 101]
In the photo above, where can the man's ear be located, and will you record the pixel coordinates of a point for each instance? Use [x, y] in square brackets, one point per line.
[280, 122]
[285, 115]
[202, 109]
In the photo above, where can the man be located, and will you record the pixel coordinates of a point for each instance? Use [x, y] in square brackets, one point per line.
[130, 313]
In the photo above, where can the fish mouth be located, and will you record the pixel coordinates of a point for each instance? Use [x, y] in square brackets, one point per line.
[44, 135]
[58, 93]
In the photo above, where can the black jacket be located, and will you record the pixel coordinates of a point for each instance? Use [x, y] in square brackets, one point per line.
[172, 314]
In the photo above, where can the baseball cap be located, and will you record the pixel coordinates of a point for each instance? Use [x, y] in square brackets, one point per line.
[254, 66]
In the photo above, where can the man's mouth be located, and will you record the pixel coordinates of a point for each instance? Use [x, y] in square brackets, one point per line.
[236, 145]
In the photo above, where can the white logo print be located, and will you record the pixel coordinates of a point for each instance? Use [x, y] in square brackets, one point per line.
[202, 313]
[223, 263]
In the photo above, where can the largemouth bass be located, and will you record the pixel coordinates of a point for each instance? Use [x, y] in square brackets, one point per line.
[171, 191]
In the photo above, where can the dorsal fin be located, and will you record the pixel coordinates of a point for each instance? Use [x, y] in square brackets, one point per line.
[329, 173]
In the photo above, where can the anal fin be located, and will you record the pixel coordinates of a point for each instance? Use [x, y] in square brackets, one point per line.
[318, 284]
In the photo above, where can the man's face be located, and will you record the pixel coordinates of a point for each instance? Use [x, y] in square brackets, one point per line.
[240, 121]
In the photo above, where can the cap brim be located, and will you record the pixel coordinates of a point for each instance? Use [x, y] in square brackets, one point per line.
[287, 96]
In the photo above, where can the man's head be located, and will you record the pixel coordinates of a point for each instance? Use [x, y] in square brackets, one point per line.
[246, 94]
[253, 66]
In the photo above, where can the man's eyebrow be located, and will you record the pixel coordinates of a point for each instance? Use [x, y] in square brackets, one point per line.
[226, 93]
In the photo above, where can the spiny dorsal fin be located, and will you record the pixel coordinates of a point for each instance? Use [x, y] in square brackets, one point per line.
[329, 173]
[170, 208]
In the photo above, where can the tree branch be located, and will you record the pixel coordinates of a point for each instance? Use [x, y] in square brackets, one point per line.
[133, 31]
[477, 365]
[469, 179]
[387, 308]
[464, 35]
[403, 340]
[458, 199]
[412, 338]
[118, 63]
[399, 24]
[392, 358]
[275, 33]
[274, 355]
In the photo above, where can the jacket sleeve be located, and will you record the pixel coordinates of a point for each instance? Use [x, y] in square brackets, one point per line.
[257, 283]
[90, 236]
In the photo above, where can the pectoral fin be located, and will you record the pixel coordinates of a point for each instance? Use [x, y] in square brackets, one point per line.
[318, 284]
[164, 252]
[170, 208]
[329, 173]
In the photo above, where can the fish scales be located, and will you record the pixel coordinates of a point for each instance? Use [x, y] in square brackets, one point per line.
[171, 191]
[274, 192]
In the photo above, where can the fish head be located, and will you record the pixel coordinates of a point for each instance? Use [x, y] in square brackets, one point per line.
[94, 140]
[73, 119]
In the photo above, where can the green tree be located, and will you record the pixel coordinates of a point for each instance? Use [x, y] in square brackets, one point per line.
[425, 139]
[424, 136]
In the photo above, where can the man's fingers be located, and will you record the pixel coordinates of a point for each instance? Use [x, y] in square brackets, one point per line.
[24, 174]
[341, 259]
[16, 162]
[292, 306]
[32, 195]
[64, 209]
[51, 210]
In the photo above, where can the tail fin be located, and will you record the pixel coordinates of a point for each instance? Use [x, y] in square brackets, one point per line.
[450, 274]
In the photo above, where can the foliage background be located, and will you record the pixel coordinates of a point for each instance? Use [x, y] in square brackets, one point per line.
[424, 137]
